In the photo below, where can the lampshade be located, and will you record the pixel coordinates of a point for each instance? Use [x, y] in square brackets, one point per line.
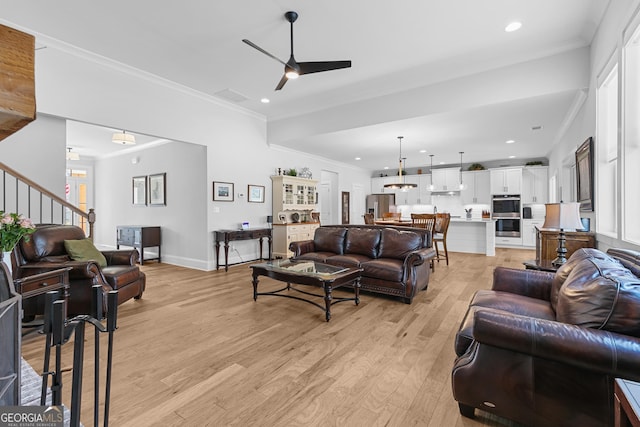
[123, 138]
[401, 184]
[565, 216]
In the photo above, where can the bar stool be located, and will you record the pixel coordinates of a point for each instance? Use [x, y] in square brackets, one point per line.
[440, 235]
[428, 222]
[368, 218]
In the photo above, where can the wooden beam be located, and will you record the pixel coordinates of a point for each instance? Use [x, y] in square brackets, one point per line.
[17, 81]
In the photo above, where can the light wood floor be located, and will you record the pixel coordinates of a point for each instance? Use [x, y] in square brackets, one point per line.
[197, 350]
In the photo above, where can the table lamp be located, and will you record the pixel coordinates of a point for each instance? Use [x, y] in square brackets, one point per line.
[562, 216]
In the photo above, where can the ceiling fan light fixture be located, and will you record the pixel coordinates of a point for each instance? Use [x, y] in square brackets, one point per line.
[292, 74]
[123, 138]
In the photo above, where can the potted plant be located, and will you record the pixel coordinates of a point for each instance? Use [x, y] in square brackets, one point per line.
[476, 167]
[292, 172]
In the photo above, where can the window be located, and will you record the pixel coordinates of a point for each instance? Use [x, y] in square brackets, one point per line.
[606, 151]
[631, 139]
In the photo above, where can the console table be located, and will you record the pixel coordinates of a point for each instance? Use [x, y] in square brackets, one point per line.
[547, 243]
[139, 237]
[227, 236]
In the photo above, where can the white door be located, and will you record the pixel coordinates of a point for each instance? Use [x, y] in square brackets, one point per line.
[325, 202]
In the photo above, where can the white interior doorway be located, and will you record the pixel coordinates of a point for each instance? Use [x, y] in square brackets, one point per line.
[329, 198]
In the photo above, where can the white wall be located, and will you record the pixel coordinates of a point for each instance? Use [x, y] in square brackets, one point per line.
[183, 242]
[607, 40]
[41, 142]
[79, 86]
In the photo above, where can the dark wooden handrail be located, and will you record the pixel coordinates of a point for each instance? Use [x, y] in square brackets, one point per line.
[89, 216]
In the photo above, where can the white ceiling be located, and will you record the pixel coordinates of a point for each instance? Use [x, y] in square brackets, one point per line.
[395, 47]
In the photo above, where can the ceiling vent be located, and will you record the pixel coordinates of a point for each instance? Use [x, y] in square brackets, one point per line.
[231, 95]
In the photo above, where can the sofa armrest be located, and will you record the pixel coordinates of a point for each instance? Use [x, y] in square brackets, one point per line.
[121, 257]
[530, 283]
[79, 269]
[419, 257]
[592, 349]
[302, 247]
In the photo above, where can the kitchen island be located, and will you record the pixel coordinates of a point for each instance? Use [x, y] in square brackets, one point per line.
[476, 235]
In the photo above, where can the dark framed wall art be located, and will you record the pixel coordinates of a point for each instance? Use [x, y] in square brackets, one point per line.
[222, 191]
[158, 189]
[139, 191]
[255, 193]
[584, 172]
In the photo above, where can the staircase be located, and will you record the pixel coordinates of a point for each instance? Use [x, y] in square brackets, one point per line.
[21, 195]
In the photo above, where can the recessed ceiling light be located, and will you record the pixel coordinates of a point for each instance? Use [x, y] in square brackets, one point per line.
[442, 163]
[386, 167]
[513, 26]
[265, 100]
[357, 158]
[512, 157]
[423, 151]
[511, 141]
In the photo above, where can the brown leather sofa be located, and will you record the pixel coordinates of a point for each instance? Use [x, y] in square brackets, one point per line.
[46, 251]
[395, 260]
[543, 349]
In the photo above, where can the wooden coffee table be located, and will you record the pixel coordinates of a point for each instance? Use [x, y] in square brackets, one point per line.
[311, 273]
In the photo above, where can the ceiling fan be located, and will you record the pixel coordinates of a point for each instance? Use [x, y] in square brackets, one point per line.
[292, 68]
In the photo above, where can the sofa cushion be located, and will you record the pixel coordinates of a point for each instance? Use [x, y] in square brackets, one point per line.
[601, 294]
[84, 250]
[565, 270]
[347, 260]
[398, 244]
[316, 256]
[362, 241]
[384, 269]
[329, 240]
[48, 241]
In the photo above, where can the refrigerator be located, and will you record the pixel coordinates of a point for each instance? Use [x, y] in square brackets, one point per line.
[378, 204]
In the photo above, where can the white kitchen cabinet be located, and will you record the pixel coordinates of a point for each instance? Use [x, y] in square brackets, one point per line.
[506, 181]
[409, 196]
[292, 197]
[447, 179]
[528, 231]
[293, 193]
[476, 188]
[535, 184]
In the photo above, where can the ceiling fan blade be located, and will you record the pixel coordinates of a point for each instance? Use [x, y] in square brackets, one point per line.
[255, 46]
[281, 83]
[317, 67]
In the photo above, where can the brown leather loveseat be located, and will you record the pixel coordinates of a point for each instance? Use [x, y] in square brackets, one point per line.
[543, 349]
[395, 260]
[46, 251]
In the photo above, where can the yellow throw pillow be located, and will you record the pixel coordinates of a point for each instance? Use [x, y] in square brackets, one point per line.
[84, 250]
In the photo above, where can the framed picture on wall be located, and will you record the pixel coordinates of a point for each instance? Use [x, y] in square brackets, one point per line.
[345, 207]
[139, 191]
[222, 191]
[157, 189]
[256, 193]
[584, 172]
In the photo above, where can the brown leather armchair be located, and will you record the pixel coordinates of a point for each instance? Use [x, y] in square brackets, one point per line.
[543, 349]
[46, 251]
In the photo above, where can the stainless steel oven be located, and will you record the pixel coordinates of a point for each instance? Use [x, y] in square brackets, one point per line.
[506, 206]
[506, 212]
[508, 227]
